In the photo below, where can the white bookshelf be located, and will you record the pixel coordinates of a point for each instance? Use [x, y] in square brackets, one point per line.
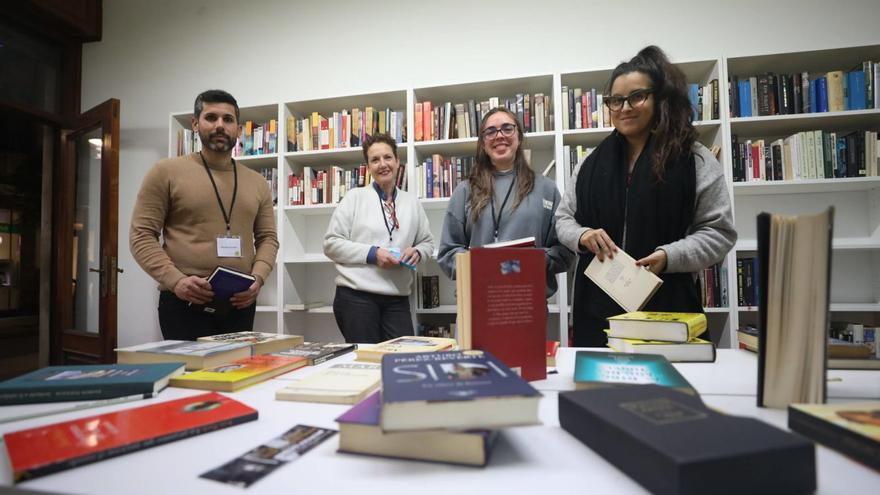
[304, 275]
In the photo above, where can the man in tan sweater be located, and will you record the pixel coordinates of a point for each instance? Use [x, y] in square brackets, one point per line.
[209, 211]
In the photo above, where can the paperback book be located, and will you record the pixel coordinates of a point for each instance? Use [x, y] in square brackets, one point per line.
[239, 374]
[600, 369]
[196, 355]
[343, 383]
[407, 344]
[261, 342]
[630, 285]
[318, 352]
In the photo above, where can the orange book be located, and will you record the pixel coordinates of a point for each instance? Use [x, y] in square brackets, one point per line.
[238, 374]
[427, 127]
[418, 122]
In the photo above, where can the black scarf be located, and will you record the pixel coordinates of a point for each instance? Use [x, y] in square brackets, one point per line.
[657, 213]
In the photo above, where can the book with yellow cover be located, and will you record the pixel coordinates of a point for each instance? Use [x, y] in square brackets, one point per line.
[404, 344]
[693, 351]
[652, 325]
[238, 374]
[344, 383]
[261, 342]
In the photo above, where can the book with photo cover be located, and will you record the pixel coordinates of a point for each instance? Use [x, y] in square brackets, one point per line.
[239, 374]
[594, 369]
[225, 282]
[409, 343]
[361, 433]
[196, 355]
[87, 382]
[51, 448]
[454, 390]
[261, 342]
[630, 285]
[852, 429]
[318, 352]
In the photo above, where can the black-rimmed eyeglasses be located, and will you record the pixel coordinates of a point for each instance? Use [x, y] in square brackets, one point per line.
[506, 130]
[635, 99]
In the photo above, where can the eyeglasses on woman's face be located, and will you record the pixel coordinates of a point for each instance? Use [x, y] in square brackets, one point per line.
[506, 130]
[635, 99]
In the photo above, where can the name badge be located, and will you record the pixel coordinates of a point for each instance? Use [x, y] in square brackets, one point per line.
[229, 247]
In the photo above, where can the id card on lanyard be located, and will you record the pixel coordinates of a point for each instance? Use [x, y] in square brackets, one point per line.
[228, 246]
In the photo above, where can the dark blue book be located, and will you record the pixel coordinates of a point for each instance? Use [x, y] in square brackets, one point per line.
[87, 382]
[453, 390]
[822, 94]
[360, 433]
[671, 443]
[855, 90]
[225, 282]
[694, 98]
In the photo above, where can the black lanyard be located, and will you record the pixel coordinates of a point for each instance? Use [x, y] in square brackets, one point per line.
[496, 222]
[226, 217]
[395, 224]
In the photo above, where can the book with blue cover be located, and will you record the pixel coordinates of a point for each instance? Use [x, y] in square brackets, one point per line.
[598, 369]
[225, 282]
[453, 390]
[360, 433]
[87, 382]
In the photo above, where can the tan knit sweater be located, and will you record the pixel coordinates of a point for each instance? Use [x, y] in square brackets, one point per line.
[177, 201]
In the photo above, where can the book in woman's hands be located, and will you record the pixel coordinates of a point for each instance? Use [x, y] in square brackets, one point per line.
[630, 285]
[225, 282]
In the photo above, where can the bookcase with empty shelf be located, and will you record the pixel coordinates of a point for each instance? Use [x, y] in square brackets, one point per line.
[298, 297]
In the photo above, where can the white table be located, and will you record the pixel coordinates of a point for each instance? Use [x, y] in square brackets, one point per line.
[537, 459]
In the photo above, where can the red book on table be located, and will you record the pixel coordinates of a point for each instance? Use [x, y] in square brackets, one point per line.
[56, 447]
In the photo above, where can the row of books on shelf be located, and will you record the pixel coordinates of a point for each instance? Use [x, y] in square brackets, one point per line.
[807, 155]
[574, 156]
[462, 120]
[785, 94]
[747, 281]
[713, 286]
[271, 176]
[583, 109]
[428, 291]
[438, 176]
[315, 187]
[343, 129]
[441, 331]
[256, 138]
[704, 101]
[853, 343]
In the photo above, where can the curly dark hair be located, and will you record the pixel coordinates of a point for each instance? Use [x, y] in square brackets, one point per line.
[674, 133]
[372, 139]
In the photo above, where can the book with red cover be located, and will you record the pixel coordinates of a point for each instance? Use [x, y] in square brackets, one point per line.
[48, 449]
[502, 306]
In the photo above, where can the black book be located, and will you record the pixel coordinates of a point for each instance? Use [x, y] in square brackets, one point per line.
[765, 95]
[797, 93]
[733, 96]
[671, 443]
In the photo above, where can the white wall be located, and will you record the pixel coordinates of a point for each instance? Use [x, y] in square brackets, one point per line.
[155, 56]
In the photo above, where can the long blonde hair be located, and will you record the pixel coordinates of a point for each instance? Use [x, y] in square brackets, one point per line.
[481, 180]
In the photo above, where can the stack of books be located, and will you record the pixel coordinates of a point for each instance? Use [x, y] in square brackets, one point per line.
[439, 406]
[673, 335]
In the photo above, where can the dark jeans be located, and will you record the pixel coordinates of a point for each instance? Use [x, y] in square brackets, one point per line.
[368, 318]
[178, 321]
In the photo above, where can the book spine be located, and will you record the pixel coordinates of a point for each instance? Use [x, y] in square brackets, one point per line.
[132, 447]
[848, 442]
[30, 395]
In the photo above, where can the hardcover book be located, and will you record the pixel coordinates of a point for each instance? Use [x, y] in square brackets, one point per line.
[360, 433]
[261, 342]
[48, 449]
[343, 383]
[225, 282]
[671, 443]
[502, 306]
[652, 325]
[598, 369]
[318, 352]
[404, 344]
[630, 285]
[196, 355]
[851, 429]
[238, 374]
[693, 351]
[87, 382]
[454, 390]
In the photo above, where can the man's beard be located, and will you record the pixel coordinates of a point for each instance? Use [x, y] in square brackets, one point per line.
[221, 147]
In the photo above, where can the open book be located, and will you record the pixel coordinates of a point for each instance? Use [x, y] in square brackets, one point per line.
[794, 253]
[630, 285]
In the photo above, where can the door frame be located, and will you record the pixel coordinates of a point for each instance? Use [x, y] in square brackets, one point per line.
[70, 345]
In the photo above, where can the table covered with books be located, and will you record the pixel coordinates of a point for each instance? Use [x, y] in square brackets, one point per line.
[529, 459]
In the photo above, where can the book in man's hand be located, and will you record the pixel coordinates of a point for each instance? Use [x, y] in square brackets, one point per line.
[630, 285]
[225, 282]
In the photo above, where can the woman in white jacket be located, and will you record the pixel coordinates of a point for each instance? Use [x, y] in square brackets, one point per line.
[377, 235]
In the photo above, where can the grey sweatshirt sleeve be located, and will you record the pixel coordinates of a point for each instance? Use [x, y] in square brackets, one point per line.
[558, 256]
[338, 245]
[453, 238]
[568, 230]
[712, 234]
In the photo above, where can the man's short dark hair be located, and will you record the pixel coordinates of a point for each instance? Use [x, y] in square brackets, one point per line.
[379, 138]
[214, 96]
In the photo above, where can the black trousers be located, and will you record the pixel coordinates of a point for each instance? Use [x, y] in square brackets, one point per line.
[179, 321]
[364, 317]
